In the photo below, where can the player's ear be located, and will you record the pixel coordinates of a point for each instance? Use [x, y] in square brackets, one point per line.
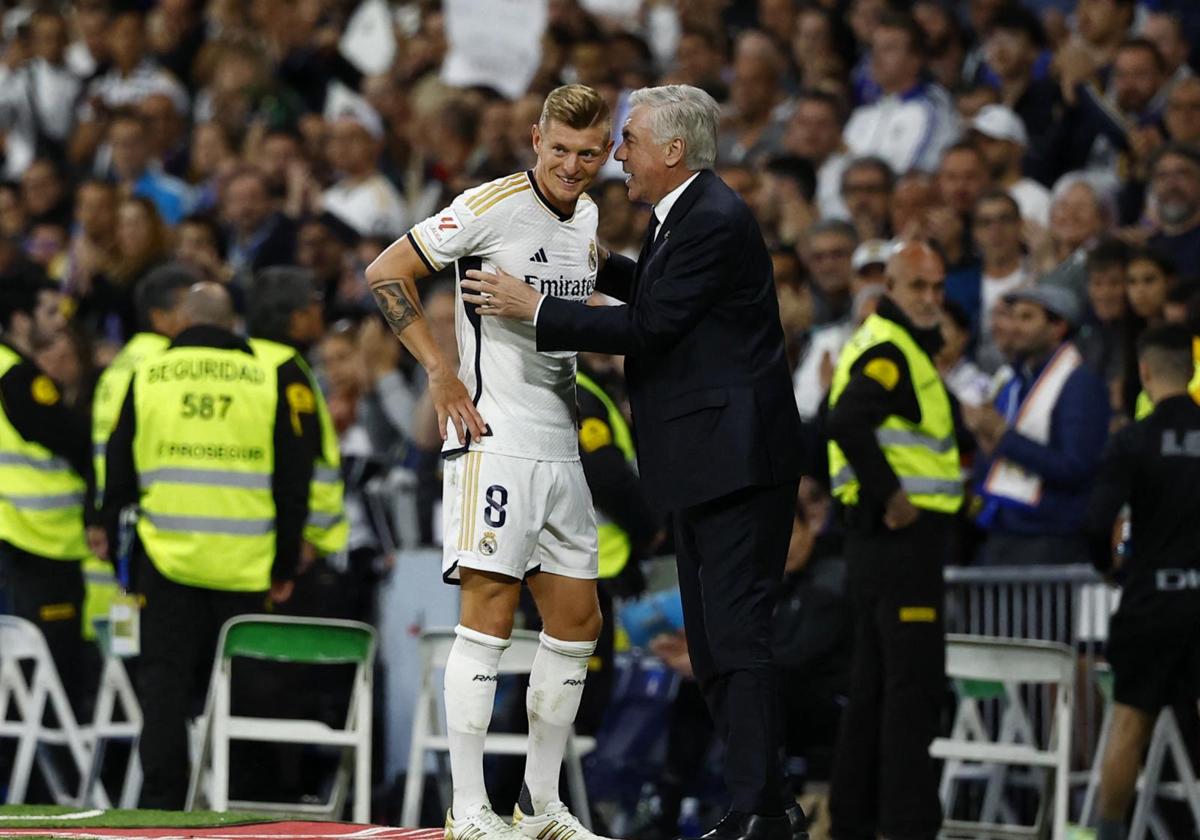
[537, 137]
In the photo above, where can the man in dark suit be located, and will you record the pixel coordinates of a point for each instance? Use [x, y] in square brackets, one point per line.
[715, 422]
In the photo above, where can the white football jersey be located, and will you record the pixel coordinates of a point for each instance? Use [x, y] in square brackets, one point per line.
[526, 397]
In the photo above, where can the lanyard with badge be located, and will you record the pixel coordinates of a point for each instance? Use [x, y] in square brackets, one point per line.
[124, 613]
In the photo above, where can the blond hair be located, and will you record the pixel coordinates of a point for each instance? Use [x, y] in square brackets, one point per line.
[575, 106]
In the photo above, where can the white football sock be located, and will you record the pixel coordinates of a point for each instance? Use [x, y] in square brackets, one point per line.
[555, 688]
[469, 691]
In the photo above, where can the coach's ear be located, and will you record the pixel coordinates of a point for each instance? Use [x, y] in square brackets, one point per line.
[674, 152]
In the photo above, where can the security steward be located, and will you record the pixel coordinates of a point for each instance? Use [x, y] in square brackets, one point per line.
[285, 320]
[628, 528]
[156, 300]
[1152, 465]
[894, 467]
[216, 445]
[46, 481]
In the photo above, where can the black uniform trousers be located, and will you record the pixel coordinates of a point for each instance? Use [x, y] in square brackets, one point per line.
[180, 625]
[730, 553]
[884, 781]
[49, 593]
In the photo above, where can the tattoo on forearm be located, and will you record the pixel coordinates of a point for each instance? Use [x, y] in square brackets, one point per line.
[393, 302]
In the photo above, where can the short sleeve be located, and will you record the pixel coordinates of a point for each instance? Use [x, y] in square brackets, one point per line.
[456, 231]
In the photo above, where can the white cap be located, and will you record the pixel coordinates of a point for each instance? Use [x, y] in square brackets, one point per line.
[871, 252]
[341, 103]
[1000, 122]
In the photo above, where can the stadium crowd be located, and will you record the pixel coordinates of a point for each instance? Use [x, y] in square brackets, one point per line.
[1047, 144]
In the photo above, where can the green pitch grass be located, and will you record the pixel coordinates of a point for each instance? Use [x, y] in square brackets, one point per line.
[121, 819]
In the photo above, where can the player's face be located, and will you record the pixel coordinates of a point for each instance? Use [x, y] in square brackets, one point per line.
[568, 159]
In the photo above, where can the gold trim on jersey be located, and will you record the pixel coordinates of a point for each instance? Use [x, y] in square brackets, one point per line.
[483, 208]
[470, 504]
[419, 241]
[491, 189]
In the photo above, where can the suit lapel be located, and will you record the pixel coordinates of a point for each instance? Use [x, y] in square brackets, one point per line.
[651, 246]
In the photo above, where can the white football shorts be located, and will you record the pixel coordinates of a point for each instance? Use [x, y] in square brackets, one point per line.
[516, 516]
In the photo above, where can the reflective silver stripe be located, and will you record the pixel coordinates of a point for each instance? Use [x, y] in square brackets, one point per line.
[844, 476]
[216, 478]
[100, 579]
[903, 437]
[210, 524]
[16, 459]
[53, 502]
[327, 475]
[324, 520]
[99, 448]
[932, 486]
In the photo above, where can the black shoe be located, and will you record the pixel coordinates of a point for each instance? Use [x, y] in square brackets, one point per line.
[739, 826]
[799, 822]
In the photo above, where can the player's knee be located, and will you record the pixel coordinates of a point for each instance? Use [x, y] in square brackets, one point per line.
[578, 622]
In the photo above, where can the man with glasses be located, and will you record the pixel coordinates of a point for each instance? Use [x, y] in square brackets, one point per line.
[867, 192]
[997, 233]
[828, 248]
[1175, 202]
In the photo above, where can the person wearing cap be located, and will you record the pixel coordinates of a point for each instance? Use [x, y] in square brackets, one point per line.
[1001, 137]
[894, 468]
[812, 376]
[1042, 437]
[362, 197]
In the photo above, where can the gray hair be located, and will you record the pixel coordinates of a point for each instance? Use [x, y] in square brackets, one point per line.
[1102, 188]
[685, 112]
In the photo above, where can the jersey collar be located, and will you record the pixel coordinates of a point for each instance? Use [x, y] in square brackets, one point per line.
[545, 202]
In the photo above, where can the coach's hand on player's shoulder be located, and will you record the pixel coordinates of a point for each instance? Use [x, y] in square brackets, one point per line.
[500, 294]
[451, 400]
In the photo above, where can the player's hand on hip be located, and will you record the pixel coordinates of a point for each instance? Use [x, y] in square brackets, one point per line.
[451, 400]
[500, 294]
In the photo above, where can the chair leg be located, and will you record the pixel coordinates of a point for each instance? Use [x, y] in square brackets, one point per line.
[1088, 814]
[1150, 775]
[362, 755]
[132, 788]
[219, 796]
[414, 782]
[575, 782]
[32, 712]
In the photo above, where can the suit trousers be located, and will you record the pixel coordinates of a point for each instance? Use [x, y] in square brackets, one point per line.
[180, 625]
[884, 781]
[730, 553]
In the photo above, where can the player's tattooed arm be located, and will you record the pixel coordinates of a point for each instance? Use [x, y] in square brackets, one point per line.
[398, 309]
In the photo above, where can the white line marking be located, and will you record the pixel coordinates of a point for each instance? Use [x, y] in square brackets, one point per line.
[77, 815]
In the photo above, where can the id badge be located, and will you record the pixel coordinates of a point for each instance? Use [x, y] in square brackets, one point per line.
[125, 620]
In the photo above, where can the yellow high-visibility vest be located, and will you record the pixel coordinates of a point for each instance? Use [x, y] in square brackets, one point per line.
[923, 455]
[204, 450]
[613, 540]
[111, 388]
[327, 527]
[41, 495]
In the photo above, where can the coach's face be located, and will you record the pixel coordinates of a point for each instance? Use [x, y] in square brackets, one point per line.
[647, 164]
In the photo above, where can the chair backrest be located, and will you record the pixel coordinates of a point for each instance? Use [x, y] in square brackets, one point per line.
[1009, 660]
[21, 639]
[312, 641]
[517, 659]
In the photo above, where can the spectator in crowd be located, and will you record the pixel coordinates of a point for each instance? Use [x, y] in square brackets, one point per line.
[93, 245]
[259, 236]
[1081, 212]
[1149, 277]
[1175, 197]
[1165, 31]
[828, 250]
[1003, 141]
[786, 187]
[914, 120]
[362, 197]
[137, 172]
[1182, 116]
[1044, 442]
[815, 133]
[700, 60]
[1012, 47]
[815, 371]
[866, 191]
[962, 177]
[1004, 268]
[1104, 336]
[753, 131]
[200, 244]
[963, 378]
[211, 156]
[913, 198]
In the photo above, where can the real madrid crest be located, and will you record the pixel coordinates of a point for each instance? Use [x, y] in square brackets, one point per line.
[592, 256]
[487, 544]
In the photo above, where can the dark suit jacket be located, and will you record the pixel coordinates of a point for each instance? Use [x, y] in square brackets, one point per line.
[713, 408]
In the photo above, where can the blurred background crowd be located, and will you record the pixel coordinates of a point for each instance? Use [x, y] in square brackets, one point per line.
[1045, 142]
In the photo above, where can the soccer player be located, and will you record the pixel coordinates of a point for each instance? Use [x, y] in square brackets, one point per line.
[516, 505]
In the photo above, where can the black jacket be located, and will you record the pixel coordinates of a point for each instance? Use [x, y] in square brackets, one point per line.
[297, 442]
[712, 400]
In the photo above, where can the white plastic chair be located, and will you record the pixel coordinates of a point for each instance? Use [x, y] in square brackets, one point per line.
[429, 729]
[115, 693]
[22, 641]
[1166, 739]
[1012, 663]
[309, 641]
